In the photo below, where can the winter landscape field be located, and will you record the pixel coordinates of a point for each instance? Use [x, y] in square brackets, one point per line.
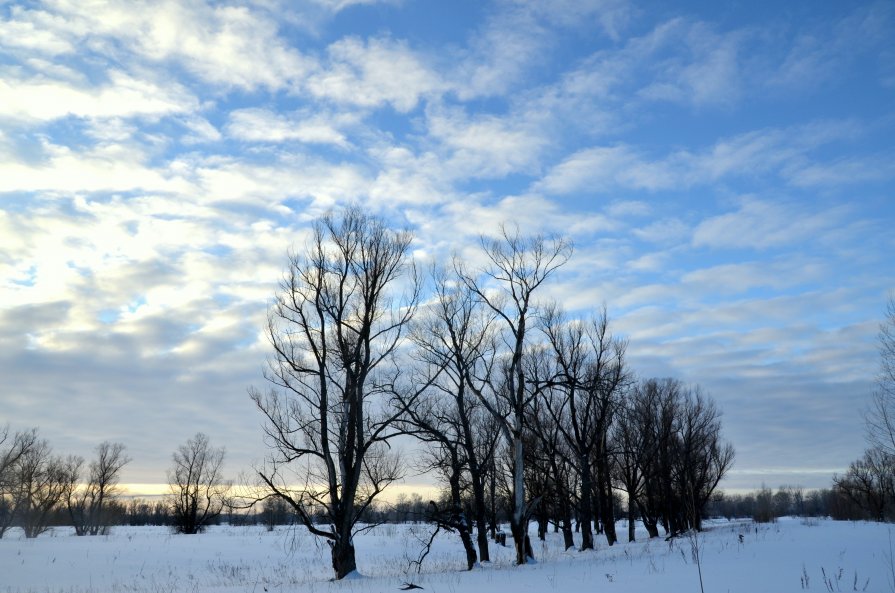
[737, 556]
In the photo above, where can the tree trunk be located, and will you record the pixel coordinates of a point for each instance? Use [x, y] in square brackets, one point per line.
[519, 518]
[466, 538]
[568, 539]
[543, 523]
[587, 536]
[649, 522]
[631, 519]
[343, 557]
[607, 508]
[457, 519]
[481, 512]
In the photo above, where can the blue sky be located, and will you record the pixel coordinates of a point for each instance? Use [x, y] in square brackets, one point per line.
[725, 171]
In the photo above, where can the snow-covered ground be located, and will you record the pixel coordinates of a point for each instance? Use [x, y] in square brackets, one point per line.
[791, 555]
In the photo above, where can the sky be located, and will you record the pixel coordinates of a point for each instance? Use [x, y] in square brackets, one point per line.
[726, 171]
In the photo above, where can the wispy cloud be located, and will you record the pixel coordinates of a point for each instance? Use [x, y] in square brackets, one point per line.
[264, 125]
[760, 224]
[375, 72]
[794, 155]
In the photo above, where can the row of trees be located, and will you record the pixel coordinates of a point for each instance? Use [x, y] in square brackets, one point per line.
[512, 398]
[37, 486]
[35, 483]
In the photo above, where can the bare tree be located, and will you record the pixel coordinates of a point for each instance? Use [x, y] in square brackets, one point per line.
[869, 483]
[703, 458]
[880, 418]
[549, 470]
[517, 267]
[453, 337]
[198, 490]
[89, 505]
[632, 436]
[12, 448]
[671, 455]
[336, 327]
[43, 479]
[588, 379]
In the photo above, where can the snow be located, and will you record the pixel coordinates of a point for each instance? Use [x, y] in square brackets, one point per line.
[791, 555]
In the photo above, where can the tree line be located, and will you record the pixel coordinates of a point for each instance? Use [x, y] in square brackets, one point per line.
[35, 484]
[513, 398]
[39, 488]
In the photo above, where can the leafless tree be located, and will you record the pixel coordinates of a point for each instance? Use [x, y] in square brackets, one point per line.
[671, 454]
[588, 378]
[43, 479]
[88, 506]
[703, 457]
[517, 267]
[632, 436]
[452, 338]
[550, 472]
[880, 418]
[198, 489]
[12, 447]
[869, 483]
[341, 313]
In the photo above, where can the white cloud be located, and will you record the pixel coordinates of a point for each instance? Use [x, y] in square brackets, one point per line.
[224, 45]
[821, 53]
[111, 167]
[667, 230]
[467, 218]
[340, 5]
[316, 181]
[842, 171]
[26, 35]
[761, 224]
[788, 153]
[122, 96]
[373, 73]
[707, 73]
[262, 125]
[201, 130]
[487, 146]
[741, 277]
[628, 208]
[601, 169]
[512, 43]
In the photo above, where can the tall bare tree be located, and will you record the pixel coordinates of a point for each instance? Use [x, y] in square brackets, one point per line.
[516, 268]
[340, 315]
[632, 436]
[880, 418]
[868, 484]
[89, 505]
[198, 489]
[454, 337]
[587, 380]
[703, 457]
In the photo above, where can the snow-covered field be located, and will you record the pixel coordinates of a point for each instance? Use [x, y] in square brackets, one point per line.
[791, 555]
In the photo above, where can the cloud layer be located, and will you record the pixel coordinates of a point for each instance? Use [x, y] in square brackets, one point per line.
[727, 181]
